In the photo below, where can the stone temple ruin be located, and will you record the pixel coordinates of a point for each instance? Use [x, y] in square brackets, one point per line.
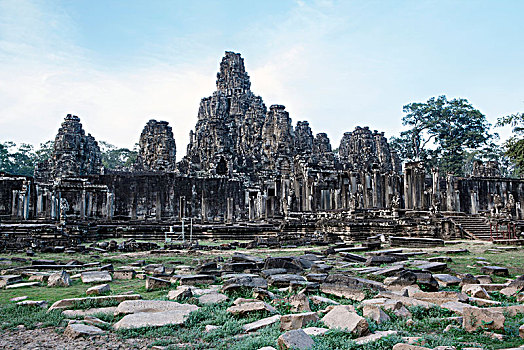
[249, 173]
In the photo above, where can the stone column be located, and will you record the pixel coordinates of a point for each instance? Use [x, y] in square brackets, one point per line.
[474, 202]
[407, 188]
[230, 208]
[83, 205]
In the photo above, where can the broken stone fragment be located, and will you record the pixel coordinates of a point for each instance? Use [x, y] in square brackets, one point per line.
[295, 339]
[97, 290]
[297, 321]
[76, 330]
[59, 279]
[154, 283]
[96, 277]
[475, 318]
[250, 307]
[344, 318]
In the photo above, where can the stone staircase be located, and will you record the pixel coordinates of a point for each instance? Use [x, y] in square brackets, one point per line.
[473, 226]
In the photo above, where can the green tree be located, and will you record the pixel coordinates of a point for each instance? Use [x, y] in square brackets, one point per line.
[442, 133]
[514, 146]
[117, 158]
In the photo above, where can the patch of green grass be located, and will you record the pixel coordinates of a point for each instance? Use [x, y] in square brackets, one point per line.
[29, 316]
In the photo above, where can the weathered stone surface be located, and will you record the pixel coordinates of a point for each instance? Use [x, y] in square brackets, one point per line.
[96, 277]
[475, 318]
[495, 270]
[296, 339]
[124, 274]
[59, 279]
[155, 319]
[244, 282]
[342, 317]
[66, 303]
[157, 150]
[284, 280]
[182, 292]
[297, 321]
[476, 291]
[22, 285]
[153, 283]
[446, 280]
[212, 298]
[88, 312]
[374, 337]
[255, 326]
[135, 306]
[191, 280]
[97, 290]
[76, 330]
[375, 313]
[250, 307]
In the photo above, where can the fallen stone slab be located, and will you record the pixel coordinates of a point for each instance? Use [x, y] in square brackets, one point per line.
[22, 285]
[77, 330]
[440, 298]
[446, 280]
[250, 307]
[6, 280]
[67, 303]
[40, 303]
[97, 290]
[296, 339]
[315, 331]
[284, 280]
[297, 321]
[88, 312]
[374, 337]
[407, 301]
[192, 280]
[475, 318]
[291, 264]
[124, 274]
[433, 267]
[212, 298]
[316, 299]
[59, 279]
[495, 270]
[155, 319]
[134, 306]
[240, 282]
[344, 318]
[401, 346]
[154, 283]
[414, 242]
[255, 326]
[455, 306]
[96, 277]
[182, 292]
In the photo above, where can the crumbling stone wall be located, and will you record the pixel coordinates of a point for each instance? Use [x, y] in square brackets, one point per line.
[157, 147]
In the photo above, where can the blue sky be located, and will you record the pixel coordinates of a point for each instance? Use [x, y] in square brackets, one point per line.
[337, 64]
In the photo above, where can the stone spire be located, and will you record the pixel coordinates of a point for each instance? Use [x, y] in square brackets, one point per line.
[232, 78]
[157, 147]
[74, 153]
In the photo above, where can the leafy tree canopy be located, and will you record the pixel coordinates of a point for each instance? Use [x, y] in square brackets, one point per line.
[443, 133]
[514, 146]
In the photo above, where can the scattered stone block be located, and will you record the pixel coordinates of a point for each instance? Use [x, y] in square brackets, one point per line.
[77, 330]
[495, 270]
[182, 292]
[97, 290]
[124, 274]
[22, 285]
[344, 318]
[254, 326]
[297, 321]
[96, 277]
[250, 307]
[154, 283]
[475, 318]
[374, 337]
[59, 279]
[212, 298]
[296, 339]
[155, 319]
[67, 303]
[191, 280]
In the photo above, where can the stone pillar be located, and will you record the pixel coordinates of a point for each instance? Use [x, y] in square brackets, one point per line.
[474, 202]
[203, 208]
[408, 203]
[83, 205]
[182, 207]
[230, 209]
